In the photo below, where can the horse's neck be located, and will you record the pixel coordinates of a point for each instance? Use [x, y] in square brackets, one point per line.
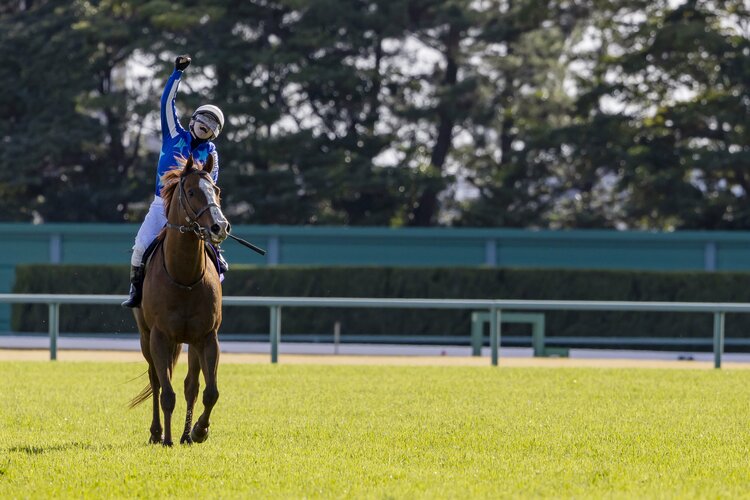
[184, 256]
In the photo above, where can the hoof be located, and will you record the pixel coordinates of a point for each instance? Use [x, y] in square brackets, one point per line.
[186, 439]
[154, 440]
[167, 444]
[198, 435]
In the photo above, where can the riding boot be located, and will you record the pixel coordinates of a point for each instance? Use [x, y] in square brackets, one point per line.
[136, 287]
[223, 264]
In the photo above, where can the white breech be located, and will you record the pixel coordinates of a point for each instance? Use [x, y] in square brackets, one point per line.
[152, 224]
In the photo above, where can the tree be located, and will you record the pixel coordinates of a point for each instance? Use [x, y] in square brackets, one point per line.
[658, 137]
[690, 163]
[523, 113]
[44, 132]
[73, 151]
[304, 86]
[511, 154]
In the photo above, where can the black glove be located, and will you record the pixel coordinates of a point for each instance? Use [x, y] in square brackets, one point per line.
[181, 62]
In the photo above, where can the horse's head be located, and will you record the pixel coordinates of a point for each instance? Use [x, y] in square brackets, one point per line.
[198, 202]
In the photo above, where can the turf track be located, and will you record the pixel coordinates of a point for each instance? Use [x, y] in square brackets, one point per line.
[315, 430]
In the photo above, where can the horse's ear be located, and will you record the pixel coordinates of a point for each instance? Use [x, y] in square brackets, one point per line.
[189, 163]
[208, 166]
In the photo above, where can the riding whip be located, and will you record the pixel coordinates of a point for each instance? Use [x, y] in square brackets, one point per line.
[247, 244]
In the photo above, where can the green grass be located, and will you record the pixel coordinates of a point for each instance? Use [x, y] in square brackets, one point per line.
[375, 432]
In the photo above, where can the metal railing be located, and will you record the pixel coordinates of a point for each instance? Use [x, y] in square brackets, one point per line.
[494, 307]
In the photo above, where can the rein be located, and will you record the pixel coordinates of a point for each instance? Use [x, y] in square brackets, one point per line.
[172, 280]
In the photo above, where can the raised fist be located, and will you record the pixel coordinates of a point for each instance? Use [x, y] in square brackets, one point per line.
[182, 62]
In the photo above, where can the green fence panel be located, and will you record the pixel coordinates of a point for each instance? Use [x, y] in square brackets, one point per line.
[509, 248]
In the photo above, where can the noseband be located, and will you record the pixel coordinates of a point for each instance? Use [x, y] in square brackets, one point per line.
[191, 217]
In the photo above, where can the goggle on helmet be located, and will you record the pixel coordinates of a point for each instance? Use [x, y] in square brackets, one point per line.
[211, 117]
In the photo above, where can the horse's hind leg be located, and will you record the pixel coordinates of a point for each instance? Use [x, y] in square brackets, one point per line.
[209, 360]
[162, 353]
[192, 384]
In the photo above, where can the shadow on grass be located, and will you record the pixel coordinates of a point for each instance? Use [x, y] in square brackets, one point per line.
[39, 450]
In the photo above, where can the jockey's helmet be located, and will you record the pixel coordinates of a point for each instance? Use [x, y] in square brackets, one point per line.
[207, 122]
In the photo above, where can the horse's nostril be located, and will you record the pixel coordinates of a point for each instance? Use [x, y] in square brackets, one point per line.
[229, 228]
[216, 229]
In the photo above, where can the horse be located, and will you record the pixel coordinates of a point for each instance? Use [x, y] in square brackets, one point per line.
[182, 301]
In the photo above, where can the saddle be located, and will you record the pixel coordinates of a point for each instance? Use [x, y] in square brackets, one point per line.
[211, 252]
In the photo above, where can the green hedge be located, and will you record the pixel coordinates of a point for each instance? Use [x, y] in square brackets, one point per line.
[401, 282]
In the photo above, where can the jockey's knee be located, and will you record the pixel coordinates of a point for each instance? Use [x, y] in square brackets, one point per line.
[137, 258]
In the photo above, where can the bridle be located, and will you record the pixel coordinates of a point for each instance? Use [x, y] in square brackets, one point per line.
[191, 217]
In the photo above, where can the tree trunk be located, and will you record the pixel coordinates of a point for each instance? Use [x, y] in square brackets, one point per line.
[426, 210]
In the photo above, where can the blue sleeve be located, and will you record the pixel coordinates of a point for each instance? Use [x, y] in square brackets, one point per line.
[170, 123]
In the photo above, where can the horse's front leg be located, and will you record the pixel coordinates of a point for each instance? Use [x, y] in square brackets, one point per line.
[156, 419]
[209, 360]
[192, 384]
[163, 355]
[153, 379]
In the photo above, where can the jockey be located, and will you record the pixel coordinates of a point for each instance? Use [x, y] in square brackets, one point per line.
[205, 125]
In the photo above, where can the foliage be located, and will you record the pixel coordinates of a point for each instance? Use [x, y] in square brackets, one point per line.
[583, 113]
[73, 151]
[693, 148]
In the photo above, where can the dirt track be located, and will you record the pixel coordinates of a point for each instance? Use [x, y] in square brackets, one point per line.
[132, 356]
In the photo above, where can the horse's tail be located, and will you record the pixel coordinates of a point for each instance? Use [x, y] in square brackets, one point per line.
[141, 397]
[148, 390]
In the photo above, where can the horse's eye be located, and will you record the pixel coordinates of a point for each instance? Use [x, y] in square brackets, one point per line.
[191, 193]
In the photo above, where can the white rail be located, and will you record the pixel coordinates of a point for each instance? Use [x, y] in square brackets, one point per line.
[494, 307]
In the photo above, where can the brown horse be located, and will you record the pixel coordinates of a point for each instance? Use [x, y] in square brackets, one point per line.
[182, 301]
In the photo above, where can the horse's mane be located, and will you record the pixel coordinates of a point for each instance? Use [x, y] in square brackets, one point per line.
[169, 182]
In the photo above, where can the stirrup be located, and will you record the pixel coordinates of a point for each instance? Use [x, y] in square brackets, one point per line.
[223, 264]
[217, 256]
